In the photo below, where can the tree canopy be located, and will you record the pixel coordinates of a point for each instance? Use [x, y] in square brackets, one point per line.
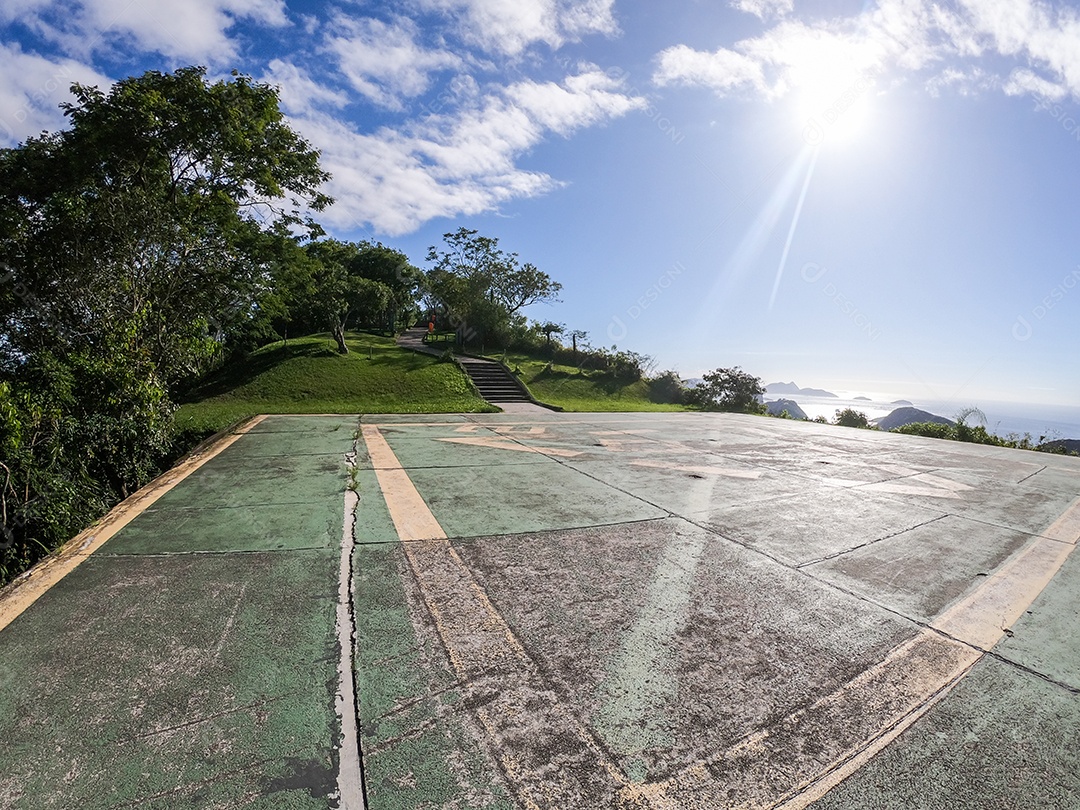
[480, 287]
[130, 244]
[728, 389]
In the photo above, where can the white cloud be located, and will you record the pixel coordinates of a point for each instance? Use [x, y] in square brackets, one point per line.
[193, 31]
[510, 26]
[788, 57]
[1047, 36]
[458, 163]
[1023, 82]
[764, 9]
[31, 90]
[298, 92]
[902, 36]
[723, 70]
[384, 61]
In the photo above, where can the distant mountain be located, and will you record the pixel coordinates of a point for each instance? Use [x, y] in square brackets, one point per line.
[906, 416]
[792, 388]
[777, 407]
[863, 399]
[901, 402]
[1070, 446]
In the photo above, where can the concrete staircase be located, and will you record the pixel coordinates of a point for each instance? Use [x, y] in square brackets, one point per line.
[494, 382]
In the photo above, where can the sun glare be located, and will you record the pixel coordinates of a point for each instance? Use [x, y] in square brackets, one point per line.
[832, 100]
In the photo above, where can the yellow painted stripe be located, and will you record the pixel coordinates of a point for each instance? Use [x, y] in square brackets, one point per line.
[982, 618]
[1066, 528]
[909, 681]
[28, 588]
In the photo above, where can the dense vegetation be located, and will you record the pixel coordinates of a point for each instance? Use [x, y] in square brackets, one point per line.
[165, 232]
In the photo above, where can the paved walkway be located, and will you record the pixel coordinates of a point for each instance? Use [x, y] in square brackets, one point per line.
[562, 610]
[413, 339]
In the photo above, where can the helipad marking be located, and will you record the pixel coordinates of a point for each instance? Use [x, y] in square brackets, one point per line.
[911, 679]
[768, 767]
[700, 470]
[524, 716]
[26, 590]
[937, 487]
[506, 444]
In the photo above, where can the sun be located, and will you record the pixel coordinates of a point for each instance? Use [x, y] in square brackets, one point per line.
[832, 98]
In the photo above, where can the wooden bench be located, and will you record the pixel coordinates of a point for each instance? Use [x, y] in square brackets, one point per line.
[443, 336]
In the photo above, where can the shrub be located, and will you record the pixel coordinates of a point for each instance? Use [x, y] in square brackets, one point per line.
[849, 417]
[667, 388]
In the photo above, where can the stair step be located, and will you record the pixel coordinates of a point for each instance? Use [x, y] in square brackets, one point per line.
[494, 382]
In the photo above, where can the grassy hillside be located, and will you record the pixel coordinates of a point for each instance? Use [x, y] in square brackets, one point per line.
[311, 377]
[578, 391]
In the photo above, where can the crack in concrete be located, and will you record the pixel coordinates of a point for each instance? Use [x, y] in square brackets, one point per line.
[351, 790]
[897, 533]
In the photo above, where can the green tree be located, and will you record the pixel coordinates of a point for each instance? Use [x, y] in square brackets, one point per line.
[147, 213]
[849, 417]
[338, 283]
[480, 286]
[131, 245]
[550, 328]
[728, 389]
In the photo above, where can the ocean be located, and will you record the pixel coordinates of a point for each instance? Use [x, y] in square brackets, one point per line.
[1041, 422]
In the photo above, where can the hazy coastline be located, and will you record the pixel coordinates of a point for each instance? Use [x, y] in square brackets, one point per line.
[1002, 418]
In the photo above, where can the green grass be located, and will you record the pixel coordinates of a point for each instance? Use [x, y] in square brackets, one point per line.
[311, 377]
[578, 391]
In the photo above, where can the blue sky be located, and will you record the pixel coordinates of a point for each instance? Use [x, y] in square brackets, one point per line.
[869, 197]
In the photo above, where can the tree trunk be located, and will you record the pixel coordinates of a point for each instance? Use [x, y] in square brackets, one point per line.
[339, 336]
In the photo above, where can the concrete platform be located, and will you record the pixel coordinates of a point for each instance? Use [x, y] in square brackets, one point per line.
[564, 610]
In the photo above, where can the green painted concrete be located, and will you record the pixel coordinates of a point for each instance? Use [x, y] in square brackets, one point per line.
[315, 523]
[226, 482]
[417, 736]
[192, 681]
[666, 613]
[1002, 739]
[192, 662]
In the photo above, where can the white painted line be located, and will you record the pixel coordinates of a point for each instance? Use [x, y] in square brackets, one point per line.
[934, 486]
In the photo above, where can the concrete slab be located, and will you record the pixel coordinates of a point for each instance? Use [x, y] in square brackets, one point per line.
[670, 642]
[226, 481]
[919, 572]
[314, 523]
[192, 662]
[516, 499]
[754, 654]
[816, 523]
[149, 681]
[1002, 738]
[566, 610]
